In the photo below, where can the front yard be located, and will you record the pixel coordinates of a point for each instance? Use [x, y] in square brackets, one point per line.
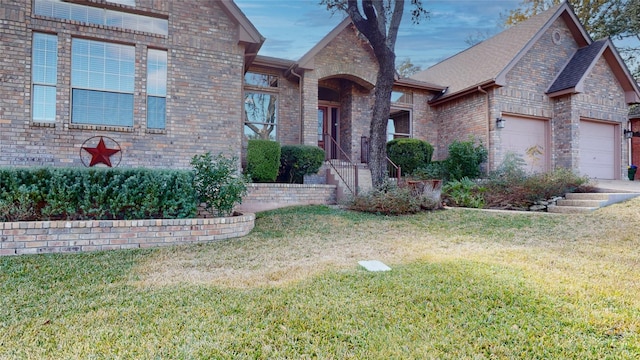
[464, 284]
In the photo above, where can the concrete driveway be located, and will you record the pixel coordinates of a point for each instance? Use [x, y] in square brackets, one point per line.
[614, 186]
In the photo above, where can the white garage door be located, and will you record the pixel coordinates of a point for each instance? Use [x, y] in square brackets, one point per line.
[597, 149]
[527, 138]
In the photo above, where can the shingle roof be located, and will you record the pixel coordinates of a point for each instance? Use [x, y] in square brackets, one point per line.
[486, 61]
[578, 66]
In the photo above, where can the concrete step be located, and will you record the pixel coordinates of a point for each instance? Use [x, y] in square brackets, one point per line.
[586, 202]
[587, 196]
[569, 209]
[581, 203]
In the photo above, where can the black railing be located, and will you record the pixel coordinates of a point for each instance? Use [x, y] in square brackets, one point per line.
[393, 170]
[336, 158]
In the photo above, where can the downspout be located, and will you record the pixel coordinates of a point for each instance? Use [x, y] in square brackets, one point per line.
[301, 111]
[488, 130]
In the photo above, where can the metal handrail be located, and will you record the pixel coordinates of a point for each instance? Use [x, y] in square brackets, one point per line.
[347, 171]
[394, 171]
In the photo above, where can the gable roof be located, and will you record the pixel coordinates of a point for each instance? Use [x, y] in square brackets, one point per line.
[306, 61]
[574, 72]
[571, 78]
[488, 62]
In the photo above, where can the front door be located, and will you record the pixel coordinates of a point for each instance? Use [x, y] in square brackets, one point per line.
[328, 127]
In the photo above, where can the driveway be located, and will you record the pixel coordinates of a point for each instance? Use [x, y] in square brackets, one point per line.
[617, 186]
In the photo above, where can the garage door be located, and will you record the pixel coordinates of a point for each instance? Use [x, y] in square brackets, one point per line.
[529, 139]
[597, 149]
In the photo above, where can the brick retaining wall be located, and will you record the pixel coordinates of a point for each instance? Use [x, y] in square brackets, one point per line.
[37, 237]
[267, 196]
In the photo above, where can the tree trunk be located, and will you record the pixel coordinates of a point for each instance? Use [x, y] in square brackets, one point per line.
[380, 117]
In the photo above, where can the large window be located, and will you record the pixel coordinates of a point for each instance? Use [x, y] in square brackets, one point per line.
[44, 77]
[399, 124]
[102, 81]
[260, 106]
[156, 88]
[98, 16]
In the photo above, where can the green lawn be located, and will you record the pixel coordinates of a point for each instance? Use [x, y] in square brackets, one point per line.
[465, 284]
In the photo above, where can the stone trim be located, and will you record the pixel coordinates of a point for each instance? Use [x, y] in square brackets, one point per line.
[39, 237]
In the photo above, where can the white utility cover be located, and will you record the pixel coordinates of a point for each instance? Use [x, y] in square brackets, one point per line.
[374, 265]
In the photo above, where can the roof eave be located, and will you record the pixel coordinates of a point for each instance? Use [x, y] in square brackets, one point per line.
[421, 85]
[458, 94]
[569, 91]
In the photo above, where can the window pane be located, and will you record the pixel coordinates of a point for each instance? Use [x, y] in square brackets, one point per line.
[260, 107]
[44, 74]
[44, 103]
[44, 59]
[102, 66]
[262, 80]
[157, 72]
[402, 97]
[98, 16]
[156, 112]
[260, 131]
[102, 108]
[124, 2]
[260, 115]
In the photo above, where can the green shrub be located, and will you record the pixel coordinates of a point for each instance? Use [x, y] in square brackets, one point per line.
[390, 199]
[217, 183]
[434, 170]
[101, 194]
[465, 158]
[409, 154]
[464, 192]
[296, 161]
[263, 160]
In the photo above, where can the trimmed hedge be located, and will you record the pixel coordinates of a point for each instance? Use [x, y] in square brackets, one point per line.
[409, 154]
[296, 161]
[95, 194]
[263, 160]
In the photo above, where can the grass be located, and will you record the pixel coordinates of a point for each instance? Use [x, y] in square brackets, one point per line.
[465, 284]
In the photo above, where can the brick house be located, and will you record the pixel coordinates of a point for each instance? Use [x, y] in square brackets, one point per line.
[164, 80]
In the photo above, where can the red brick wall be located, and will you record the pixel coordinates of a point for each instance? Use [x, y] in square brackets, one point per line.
[39, 237]
[204, 102]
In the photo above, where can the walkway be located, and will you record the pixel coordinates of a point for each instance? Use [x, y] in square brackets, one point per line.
[614, 186]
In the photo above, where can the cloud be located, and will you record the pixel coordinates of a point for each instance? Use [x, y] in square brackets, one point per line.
[293, 27]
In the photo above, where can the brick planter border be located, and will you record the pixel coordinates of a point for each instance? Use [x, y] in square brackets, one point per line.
[39, 237]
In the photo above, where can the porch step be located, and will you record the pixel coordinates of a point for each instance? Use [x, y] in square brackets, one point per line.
[586, 202]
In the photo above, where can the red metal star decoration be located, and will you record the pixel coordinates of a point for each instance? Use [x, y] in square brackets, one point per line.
[100, 154]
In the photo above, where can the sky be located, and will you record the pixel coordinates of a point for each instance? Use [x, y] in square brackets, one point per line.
[293, 27]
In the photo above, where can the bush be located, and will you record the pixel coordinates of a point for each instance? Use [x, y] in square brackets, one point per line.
[263, 160]
[434, 170]
[464, 192]
[217, 183]
[390, 199]
[296, 161]
[409, 154]
[101, 194]
[520, 192]
[465, 158]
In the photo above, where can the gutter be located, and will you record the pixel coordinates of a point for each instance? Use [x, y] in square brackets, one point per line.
[300, 100]
[488, 129]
